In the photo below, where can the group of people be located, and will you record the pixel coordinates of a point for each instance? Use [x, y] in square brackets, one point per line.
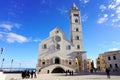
[68, 72]
[28, 74]
[93, 70]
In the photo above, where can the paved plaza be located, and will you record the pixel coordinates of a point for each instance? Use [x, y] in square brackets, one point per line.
[64, 77]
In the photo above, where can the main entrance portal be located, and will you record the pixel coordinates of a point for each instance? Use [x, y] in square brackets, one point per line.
[58, 70]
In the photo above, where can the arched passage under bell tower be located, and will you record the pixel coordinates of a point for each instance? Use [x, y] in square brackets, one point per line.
[79, 63]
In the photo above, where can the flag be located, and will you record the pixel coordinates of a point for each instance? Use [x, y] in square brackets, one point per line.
[12, 61]
[2, 49]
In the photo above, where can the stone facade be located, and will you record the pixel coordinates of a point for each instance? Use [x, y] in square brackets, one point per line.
[89, 67]
[100, 63]
[112, 60]
[57, 54]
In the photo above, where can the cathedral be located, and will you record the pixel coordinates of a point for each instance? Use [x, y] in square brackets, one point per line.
[57, 54]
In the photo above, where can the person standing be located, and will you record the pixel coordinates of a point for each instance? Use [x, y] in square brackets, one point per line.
[32, 74]
[35, 76]
[108, 73]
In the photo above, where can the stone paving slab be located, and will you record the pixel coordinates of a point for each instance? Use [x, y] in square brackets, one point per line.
[62, 77]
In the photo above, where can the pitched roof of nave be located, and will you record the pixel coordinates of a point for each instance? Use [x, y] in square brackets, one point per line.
[54, 33]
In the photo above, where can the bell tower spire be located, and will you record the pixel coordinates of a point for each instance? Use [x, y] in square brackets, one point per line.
[76, 27]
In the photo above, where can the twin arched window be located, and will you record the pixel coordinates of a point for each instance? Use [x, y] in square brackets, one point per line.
[77, 29]
[77, 38]
[76, 20]
[78, 46]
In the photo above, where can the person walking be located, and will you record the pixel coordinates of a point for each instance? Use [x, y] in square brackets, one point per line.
[108, 73]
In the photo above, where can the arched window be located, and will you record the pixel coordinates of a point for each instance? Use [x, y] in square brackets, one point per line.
[57, 61]
[58, 46]
[76, 20]
[109, 58]
[78, 46]
[114, 57]
[68, 47]
[44, 46]
[110, 65]
[77, 29]
[77, 37]
[70, 63]
[43, 63]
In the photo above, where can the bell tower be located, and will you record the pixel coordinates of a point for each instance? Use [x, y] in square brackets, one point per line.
[76, 28]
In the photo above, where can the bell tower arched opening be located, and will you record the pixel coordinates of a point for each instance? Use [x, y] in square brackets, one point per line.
[78, 62]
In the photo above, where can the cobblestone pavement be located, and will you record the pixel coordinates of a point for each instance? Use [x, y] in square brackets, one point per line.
[63, 77]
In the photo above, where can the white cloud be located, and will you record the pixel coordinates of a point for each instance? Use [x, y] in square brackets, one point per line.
[7, 35]
[37, 40]
[109, 46]
[103, 19]
[112, 15]
[116, 43]
[13, 37]
[62, 10]
[113, 9]
[118, 10]
[102, 7]
[105, 15]
[84, 17]
[47, 2]
[114, 4]
[84, 1]
[1, 36]
[115, 20]
[8, 25]
[113, 49]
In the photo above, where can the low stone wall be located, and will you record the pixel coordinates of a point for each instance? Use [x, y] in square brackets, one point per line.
[2, 76]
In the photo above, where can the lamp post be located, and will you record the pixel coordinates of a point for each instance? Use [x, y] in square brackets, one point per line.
[2, 49]
[2, 63]
[20, 66]
[11, 64]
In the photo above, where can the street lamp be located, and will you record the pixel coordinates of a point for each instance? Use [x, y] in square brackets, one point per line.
[20, 65]
[2, 49]
[2, 63]
[11, 64]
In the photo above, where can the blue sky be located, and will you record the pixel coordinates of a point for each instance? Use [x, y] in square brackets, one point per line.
[25, 23]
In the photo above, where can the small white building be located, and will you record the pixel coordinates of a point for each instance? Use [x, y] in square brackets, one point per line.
[58, 54]
[112, 60]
